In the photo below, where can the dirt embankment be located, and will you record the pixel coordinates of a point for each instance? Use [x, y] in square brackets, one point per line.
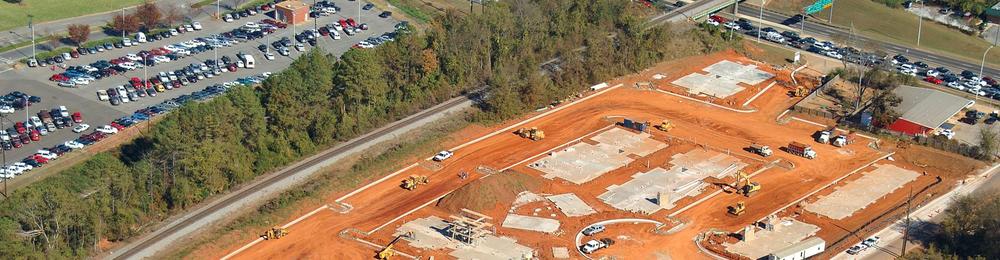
[490, 192]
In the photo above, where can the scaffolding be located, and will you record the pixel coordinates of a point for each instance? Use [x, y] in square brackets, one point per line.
[469, 226]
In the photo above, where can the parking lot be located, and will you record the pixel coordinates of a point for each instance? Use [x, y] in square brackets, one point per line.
[96, 113]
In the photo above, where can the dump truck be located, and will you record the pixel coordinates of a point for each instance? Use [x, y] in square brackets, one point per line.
[823, 137]
[762, 150]
[839, 141]
[803, 150]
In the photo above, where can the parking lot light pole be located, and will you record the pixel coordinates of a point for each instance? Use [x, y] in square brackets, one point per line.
[123, 22]
[32, 27]
[759, 26]
[218, 10]
[920, 22]
[983, 64]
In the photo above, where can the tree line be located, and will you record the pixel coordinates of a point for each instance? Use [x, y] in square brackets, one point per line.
[205, 149]
[968, 230]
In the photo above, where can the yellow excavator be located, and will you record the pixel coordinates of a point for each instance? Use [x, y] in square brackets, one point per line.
[274, 233]
[387, 251]
[749, 187]
[414, 180]
[800, 91]
[738, 209]
[533, 133]
[665, 126]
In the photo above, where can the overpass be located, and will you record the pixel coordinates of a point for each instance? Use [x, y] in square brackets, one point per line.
[694, 11]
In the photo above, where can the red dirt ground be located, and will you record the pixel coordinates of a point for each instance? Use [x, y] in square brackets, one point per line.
[317, 236]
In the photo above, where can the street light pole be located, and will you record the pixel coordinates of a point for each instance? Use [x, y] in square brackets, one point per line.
[762, 3]
[32, 27]
[983, 64]
[218, 10]
[920, 22]
[831, 12]
[123, 22]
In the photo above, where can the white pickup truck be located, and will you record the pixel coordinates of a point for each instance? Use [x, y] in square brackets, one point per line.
[594, 245]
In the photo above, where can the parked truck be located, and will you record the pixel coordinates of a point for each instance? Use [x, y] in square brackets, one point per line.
[803, 150]
[823, 137]
[839, 141]
[762, 150]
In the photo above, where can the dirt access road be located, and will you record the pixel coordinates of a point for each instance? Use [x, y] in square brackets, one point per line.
[380, 205]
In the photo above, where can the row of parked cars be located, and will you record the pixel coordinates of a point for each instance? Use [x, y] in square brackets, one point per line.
[36, 126]
[16, 100]
[86, 74]
[966, 80]
[43, 156]
[139, 38]
[163, 81]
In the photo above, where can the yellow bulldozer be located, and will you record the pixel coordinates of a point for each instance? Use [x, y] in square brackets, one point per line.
[665, 126]
[749, 187]
[800, 91]
[738, 209]
[411, 182]
[274, 233]
[533, 133]
[387, 251]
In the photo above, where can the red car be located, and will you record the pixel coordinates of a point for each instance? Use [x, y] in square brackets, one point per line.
[117, 126]
[25, 139]
[20, 127]
[343, 23]
[717, 18]
[231, 67]
[58, 77]
[16, 143]
[40, 159]
[933, 80]
[75, 54]
[135, 82]
[35, 136]
[352, 22]
[78, 117]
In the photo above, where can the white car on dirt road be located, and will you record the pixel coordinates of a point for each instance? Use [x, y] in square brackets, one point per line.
[443, 155]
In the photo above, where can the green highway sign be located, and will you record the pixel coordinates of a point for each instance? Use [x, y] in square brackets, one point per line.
[818, 6]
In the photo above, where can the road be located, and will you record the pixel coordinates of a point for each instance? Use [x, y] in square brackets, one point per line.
[821, 30]
[891, 242]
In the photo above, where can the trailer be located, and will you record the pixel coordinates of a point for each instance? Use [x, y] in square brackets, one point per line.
[803, 150]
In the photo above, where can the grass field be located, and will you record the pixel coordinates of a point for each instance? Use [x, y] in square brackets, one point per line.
[14, 15]
[899, 26]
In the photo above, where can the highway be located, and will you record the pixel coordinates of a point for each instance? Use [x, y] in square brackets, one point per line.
[821, 30]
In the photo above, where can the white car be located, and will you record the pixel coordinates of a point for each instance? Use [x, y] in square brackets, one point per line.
[872, 241]
[6, 110]
[268, 56]
[228, 18]
[712, 22]
[338, 27]
[102, 95]
[127, 65]
[300, 47]
[73, 144]
[80, 128]
[107, 129]
[834, 54]
[133, 57]
[80, 81]
[956, 85]
[161, 59]
[196, 25]
[174, 32]
[46, 154]
[127, 42]
[66, 83]
[443, 155]
[932, 73]
[23, 166]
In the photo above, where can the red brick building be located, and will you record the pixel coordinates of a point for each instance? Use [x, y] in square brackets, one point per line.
[292, 12]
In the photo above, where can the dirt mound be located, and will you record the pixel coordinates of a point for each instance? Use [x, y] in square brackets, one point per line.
[939, 162]
[497, 190]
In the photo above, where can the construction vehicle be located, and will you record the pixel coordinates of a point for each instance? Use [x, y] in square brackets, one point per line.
[387, 251]
[411, 182]
[823, 136]
[803, 150]
[665, 126]
[800, 91]
[762, 150]
[274, 233]
[738, 209]
[749, 187]
[839, 141]
[534, 134]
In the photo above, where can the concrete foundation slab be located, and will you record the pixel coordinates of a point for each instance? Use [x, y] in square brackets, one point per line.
[643, 192]
[862, 192]
[432, 233]
[785, 233]
[429, 233]
[537, 224]
[722, 79]
[571, 205]
[560, 252]
[583, 162]
[493, 248]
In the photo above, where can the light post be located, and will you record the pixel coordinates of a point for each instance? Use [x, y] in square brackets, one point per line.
[983, 64]
[123, 23]
[920, 22]
[831, 12]
[32, 27]
[218, 10]
[762, 3]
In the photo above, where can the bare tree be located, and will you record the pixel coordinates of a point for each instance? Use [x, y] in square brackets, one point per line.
[128, 23]
[150, 15]
[988, 144]
[78, 33]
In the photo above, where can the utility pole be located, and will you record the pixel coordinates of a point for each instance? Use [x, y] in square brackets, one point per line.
[831, 11]
[983, 64]
[906, 227]
[315, 20]
[218, 10]
[123, 22]
[920, 22]
[32, 27]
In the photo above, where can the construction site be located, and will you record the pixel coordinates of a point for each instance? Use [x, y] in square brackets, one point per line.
[701, 149]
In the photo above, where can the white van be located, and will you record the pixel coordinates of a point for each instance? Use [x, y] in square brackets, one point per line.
[140, 37]
[248, 60]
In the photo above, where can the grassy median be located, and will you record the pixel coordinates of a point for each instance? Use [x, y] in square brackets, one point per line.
[15, 15]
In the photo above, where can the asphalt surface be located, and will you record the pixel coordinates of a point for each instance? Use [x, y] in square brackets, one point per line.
[826, 31]
[34, 81]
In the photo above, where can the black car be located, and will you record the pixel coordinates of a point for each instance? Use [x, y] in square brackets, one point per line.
[968, 74]
[368, 6]
[108, 45]
[119, 45]
[165, 34]
[385, 14]
[262, 47]
[920, 64]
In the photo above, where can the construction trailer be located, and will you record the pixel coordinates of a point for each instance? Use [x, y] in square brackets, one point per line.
[801, 149]
[799, 251]
[635, 125]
